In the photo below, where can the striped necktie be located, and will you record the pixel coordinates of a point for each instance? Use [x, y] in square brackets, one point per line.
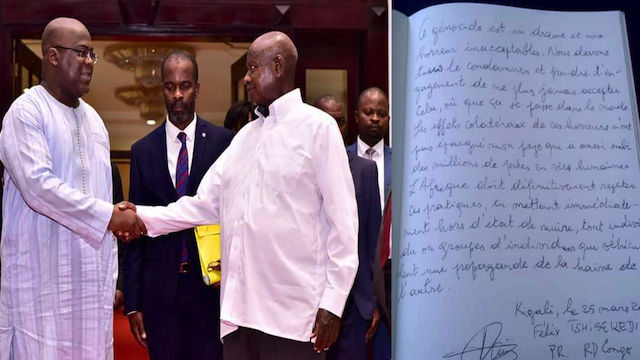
[182, 178]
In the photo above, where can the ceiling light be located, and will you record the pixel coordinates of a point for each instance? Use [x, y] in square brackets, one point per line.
[144, 59]
[150, 101]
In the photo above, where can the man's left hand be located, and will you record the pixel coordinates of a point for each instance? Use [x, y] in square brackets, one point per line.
[325, 330]
[375, 321]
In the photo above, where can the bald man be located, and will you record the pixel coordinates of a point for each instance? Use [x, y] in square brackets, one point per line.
[59, 256]
[331, 105]
[285, 199]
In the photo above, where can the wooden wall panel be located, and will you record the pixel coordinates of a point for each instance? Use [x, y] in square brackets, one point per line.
[214, 20]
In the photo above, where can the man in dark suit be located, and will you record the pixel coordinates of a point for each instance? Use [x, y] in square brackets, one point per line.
[358, 320]
[171, 311]
[372, 116]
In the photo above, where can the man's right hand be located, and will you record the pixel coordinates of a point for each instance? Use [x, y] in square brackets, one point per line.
[125, 224]
[137, 328]
[215, 266]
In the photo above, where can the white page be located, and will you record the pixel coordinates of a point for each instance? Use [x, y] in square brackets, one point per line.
[583, 300]
[399, 36]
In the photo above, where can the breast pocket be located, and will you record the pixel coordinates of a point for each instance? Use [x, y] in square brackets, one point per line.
[100, 140]
[98, 163]
[99, 145]
[281, 174]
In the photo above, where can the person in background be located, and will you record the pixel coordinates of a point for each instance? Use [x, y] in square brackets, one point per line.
[171, 311]
[372, 116]
[360, 319]
[331, 105]
[59, 255]
[285, 200]
[239, 115]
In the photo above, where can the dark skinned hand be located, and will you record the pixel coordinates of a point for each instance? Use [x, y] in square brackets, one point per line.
[215, 266]
[325, 330]
[125, 224]
[125, 205]
[118, 300]
[137, 328]
[375, 321]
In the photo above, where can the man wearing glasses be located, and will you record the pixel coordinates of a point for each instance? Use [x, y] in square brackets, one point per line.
[59, 256]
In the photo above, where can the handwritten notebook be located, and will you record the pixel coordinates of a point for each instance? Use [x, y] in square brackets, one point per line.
[519, 230]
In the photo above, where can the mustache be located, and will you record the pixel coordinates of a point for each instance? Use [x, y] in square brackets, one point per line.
[182, 104]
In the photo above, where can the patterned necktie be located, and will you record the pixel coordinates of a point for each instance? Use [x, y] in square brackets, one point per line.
[370, 152]
[182, 177]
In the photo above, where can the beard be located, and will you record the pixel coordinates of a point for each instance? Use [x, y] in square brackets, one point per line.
[181, 116]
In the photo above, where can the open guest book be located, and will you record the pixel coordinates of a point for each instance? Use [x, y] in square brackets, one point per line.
[519, 218]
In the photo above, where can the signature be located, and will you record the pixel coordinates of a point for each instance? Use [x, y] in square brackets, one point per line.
[484, 345]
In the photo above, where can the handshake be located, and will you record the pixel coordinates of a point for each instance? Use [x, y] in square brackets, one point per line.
[125, 223]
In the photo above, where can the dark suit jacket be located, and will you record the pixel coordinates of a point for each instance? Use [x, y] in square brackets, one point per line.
[152, 265]
[353, 148]
[381, 291]
[365, 178]
[118, 196]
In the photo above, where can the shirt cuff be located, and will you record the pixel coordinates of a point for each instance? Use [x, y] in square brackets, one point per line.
[145, 213]
[103, 213]
[333, 301]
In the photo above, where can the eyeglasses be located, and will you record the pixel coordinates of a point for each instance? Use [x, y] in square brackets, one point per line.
[81, 52]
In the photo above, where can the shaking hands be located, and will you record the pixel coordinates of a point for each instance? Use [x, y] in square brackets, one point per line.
[125, 224]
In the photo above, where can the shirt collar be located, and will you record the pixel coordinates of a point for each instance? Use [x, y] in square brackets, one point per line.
[79, 110]
[363, 146]
[282, 106]
[173, 131]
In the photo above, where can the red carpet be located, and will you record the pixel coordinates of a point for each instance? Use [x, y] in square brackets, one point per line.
[125, 346]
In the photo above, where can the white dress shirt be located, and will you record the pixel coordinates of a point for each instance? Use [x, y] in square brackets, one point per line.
[59, 262]
[174, 145]
[284, 196]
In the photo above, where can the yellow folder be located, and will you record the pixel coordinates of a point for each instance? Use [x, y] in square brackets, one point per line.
[208, 240]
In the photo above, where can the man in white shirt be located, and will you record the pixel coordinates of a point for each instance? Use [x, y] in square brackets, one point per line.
[59, 257]
[284, 196]
[372, 116]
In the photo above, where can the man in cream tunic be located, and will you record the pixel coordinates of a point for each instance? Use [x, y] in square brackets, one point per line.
[59, 259]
